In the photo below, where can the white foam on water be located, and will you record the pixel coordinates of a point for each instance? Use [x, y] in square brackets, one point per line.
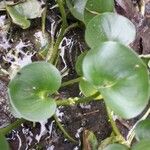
[77, 135]
[43, 131]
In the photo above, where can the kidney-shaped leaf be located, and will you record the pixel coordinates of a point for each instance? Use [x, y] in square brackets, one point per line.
[21, 12]
[142, 130]
[30, 90]
[77, 8]
[95, 7]
[121, 77]
[3, 143]
[142, 145]
[109, 26]
[18, 18]
[30, 8]
[116, 147]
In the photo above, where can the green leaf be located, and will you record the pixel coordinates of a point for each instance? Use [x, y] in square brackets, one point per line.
[77, 8]
[89, 140]
[142, 145]
[109, 26]
[3, 143]
[142, 130]
[120, 75]
[30, 9]
[116, 147]
[20, 13]
[94, 8]
[30, 91]
[15, 113]
[87, 88]
[78, 65]
[18, 18]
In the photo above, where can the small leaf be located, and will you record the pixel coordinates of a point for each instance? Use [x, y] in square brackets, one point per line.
[77, 7]
[89, 141]
[18, 18]
[21, 12]
[78, 65]
[30, 91]
[142, 145]
[3, 143]
[120, 75]
[109, 26]
[116, 147]
[30, 9]
[142, 130]
[94, 8]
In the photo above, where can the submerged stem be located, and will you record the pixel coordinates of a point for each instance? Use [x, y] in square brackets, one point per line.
[60, 37]
[74, 101]
[44, 20]
[114, 126]
[63, 130]
[71, 82]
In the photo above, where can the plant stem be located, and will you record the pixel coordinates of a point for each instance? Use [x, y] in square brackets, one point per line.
[44, 20]
[63, 130]
[71, 82]
[114, 126]
[60, 37]
[145, 56]
[74, 25]
[12, 126]
[74, 101]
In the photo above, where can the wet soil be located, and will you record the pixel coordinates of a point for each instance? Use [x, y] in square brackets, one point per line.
[76, 119]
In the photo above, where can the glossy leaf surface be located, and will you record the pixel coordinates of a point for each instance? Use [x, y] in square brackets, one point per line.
[94, 8]
[30, 9]
[142, 130]
[21, 12]
[31, 88]
[120, 76]
[77, 8]
[18, 18]
[3, 143]
[116, 147]
[142, 145]
[109, 27]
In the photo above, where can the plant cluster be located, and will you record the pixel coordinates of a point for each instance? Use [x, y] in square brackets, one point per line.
[110, 70]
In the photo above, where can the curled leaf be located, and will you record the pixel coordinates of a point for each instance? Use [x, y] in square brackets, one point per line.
[18, 18]
[21, 12]
[89, 141]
